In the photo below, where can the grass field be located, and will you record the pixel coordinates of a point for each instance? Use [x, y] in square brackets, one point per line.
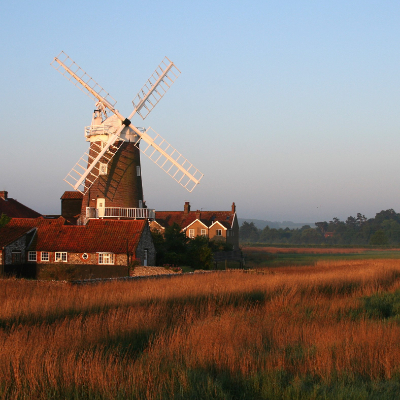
[328, 330]
[259, 257]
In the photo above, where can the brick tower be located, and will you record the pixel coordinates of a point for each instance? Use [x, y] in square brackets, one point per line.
[118, 186]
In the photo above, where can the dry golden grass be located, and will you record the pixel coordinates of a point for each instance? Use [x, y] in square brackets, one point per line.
[146, 339]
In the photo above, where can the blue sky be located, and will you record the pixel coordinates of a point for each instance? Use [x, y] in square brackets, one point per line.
[289, 108]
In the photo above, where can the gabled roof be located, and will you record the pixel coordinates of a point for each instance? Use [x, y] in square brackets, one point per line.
[196, 220]
[98, 235]
[221, 223]
[10, 234]
[14, 209]
[168, 218]
[72, 194]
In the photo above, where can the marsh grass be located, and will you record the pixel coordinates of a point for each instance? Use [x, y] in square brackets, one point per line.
[330, 330]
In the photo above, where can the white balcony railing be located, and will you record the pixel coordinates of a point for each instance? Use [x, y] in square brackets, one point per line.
[119, 212]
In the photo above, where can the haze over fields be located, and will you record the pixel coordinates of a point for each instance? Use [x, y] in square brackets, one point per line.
[290, 109]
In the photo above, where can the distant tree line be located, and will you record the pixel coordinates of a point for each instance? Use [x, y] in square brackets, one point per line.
[384, 229]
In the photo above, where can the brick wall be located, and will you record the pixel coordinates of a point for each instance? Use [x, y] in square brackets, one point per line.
[121, 187]
[70, 207]
[78, 258]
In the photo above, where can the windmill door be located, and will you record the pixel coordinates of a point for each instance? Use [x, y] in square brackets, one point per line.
[101, 205]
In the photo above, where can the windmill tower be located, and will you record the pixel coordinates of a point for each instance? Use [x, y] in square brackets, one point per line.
[109, 173]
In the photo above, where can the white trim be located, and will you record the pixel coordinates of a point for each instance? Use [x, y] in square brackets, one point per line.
[155, 222]
[109, 259]
[203, 234]
[216, 232]
[41, 256]
[62, 256]
[233, 219]
[191, 233]
[196, 220]
[217, 222]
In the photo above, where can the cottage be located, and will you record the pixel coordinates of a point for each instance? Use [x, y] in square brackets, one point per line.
[14, 243]
[217, 225]
[100, 242]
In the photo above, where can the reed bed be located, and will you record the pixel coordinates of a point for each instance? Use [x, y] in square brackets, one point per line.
[315, 250]
[301, 332]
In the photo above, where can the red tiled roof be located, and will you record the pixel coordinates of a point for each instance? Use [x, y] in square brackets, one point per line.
[168, 218]
[14, 209]
[9, 234]
[73, 194]
[97, 236]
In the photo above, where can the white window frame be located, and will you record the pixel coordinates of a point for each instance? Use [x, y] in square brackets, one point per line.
[218, 232]
[191, 233]
[32, 256]
[60, 256]
[106, 258]
[44, 256]
[203, 232]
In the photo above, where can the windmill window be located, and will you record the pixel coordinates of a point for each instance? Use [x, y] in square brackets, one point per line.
[44, 256]
[32, 256]
[138, 170]
[60, 256]
[191, 233]
[106, 258]
[219, 232]
[103, 169]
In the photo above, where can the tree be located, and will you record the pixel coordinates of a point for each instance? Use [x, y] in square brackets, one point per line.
[351, 222]
[361, 219]
[249, 232]
[378, 238]
[322, 226]
[4, 220]
[311, 236]
[199, 253]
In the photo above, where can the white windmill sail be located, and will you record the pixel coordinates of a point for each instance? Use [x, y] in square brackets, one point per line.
[155, 88]
[170, 160]
[158, 150]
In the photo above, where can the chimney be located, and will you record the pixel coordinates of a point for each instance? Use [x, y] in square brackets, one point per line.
[4, 195]
[233, 207]
[186, 209]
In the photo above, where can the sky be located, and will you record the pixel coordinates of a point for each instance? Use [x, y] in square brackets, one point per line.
[290, 109]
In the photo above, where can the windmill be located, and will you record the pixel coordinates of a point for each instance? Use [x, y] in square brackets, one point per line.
[109, 173]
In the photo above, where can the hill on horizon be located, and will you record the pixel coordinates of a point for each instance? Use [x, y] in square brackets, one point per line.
[261, 224]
